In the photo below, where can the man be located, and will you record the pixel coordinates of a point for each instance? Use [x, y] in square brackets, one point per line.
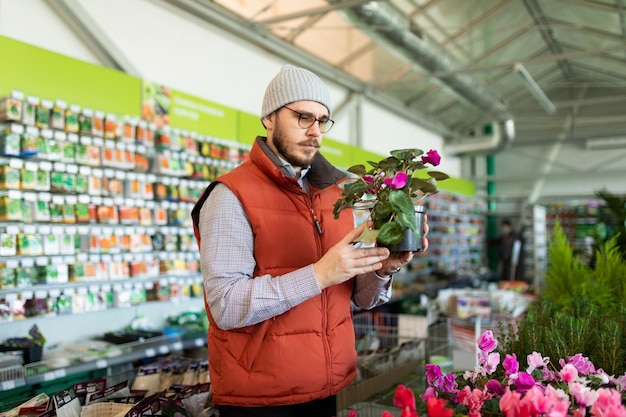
[279, 271]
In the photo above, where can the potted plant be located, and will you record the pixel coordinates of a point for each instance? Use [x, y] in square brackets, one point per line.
[391, 193]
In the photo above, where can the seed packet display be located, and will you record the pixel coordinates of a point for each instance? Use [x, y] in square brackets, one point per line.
[66, 403]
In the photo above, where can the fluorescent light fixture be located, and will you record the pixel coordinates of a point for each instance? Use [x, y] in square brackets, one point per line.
[606, 143]
[534, 88]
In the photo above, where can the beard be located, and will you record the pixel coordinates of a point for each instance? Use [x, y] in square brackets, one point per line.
[294, 153]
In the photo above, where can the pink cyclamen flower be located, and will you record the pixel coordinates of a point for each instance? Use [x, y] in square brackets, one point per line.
[569, 373]
[429, 393]
[524, 382]
[495, 387]
[433, 373]
[448, 384]
[583, 394]
[432, 157]
[510, 364]
[608, 404]
[489, 361]
[582, 364]
[486, 342]
[398, 181]
[510, 403]
[352, 413]
[535, 360]
[534, 402]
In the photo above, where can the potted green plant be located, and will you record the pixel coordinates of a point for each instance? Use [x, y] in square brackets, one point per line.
[391, 193]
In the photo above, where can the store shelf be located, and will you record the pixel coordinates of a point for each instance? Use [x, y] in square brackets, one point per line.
[45, 371]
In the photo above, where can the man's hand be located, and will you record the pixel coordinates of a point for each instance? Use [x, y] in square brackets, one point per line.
[344, 260]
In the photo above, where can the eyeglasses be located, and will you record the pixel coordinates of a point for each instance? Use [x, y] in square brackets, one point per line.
[306, 120]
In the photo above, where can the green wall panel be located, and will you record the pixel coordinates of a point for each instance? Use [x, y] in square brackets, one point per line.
[49, 75]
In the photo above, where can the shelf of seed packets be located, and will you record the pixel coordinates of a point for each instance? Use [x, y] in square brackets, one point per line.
[456, 235]
[171, 386]
[95, 207]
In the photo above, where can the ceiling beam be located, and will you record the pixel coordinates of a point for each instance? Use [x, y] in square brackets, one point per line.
[309, 12]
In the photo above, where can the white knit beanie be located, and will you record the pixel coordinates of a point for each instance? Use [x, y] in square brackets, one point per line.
[294, 84]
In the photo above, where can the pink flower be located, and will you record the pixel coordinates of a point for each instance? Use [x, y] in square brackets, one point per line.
[489, 362]
[429, 393]
[486, 342]
[510, 403]
[608, 404]
[535, 360]
[582, 364]
[398, 181]
[583, 394]
[534, 402]
[569, 373]
[448, 384]
[433, 372]
[524, 382]
[495, 387]
[510, 364]
[474, 399]
[352, 413]
[432, 157]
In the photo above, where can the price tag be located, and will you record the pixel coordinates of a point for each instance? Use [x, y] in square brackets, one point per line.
[148, 285]
[94, 289]
[128, 286]
[43, 230]
[120, 175]
[85, 170]
[59, 166]
[101, 364]
[55, 292]
[60, 373]
[12, 263]
[30, 166]
[199, 342]
[27, 263]
[98, 141]
[41, 261]
[82, 290]
[150, 353]
[128, 257]
[70, 230]
[82, 257]
[57, 260]
[72, 137]
[117, 258]
[72, 169]
[49, 376]
[40, 294]
[177, 346]
[106, 287]
[82, 230]
[117, 287]
[14, 194]
[164, 349]
[16, 163]
[8, 385]
[27, 295]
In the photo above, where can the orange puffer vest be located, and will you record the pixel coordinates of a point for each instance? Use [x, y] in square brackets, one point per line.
[307, 352]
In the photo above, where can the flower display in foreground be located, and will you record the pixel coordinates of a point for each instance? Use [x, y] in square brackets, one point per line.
[505, 387]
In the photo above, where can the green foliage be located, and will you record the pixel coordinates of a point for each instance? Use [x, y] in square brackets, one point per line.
[581, 310]
[616, 220]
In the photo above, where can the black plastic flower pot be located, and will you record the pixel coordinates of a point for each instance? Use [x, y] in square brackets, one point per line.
[412, 242]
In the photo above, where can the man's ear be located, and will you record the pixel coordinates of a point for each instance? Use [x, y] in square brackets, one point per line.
[268, 121]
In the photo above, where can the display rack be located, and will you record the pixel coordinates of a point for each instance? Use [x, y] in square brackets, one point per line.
[535, 236]
[456, 236]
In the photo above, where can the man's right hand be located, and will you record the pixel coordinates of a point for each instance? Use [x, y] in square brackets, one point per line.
[344, 261]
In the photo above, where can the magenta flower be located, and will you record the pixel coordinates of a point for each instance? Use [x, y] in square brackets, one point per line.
[433, 373]
[448, 384]
[524, 382]
[510, 364]
[486, 342]
[429, 393]
[495, 387]
[432, 157]
[399, 180]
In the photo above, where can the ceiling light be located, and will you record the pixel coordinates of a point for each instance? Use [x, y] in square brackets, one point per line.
[606, 143]
[534, 88]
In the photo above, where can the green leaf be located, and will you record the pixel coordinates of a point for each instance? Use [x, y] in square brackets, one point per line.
[403, 207]
[423, 185]
[406, 154]
[439, 176]
[357, 169]
[357, 187]
[390, 234]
